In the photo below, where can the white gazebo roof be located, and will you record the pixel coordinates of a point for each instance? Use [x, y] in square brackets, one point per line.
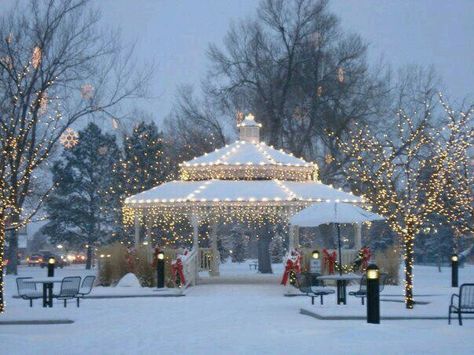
[231, 191]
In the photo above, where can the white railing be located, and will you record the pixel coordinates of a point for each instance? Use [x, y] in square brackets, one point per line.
[190, 268]
[205, 259]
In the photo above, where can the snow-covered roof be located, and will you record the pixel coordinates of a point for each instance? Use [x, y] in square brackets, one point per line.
[249, 121]
[246, 153]
[221, 191]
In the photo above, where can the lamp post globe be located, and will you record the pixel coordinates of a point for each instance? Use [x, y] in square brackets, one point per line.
[315, 254]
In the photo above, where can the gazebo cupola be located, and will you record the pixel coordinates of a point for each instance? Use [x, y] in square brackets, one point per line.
[249, 129]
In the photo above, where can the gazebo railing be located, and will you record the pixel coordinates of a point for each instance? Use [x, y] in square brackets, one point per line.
[205, 259]
[190, 268]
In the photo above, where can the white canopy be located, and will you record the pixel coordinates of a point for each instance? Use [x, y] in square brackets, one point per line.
[332, 212]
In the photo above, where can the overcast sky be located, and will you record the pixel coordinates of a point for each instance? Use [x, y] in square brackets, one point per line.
[176, 33]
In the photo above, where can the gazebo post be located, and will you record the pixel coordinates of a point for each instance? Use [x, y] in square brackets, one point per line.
[215, 252]
[291, 238]
[137, 230]
[358, 236]
[195, 224]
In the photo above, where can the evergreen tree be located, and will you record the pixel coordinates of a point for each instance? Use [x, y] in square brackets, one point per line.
[238, 251]
[277, 249]
[223, 249]
[84, 207]
[145, 164]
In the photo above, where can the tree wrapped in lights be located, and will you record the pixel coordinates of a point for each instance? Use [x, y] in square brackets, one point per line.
[48, 50]
[145, 164]
[392, 173]
[453, 181]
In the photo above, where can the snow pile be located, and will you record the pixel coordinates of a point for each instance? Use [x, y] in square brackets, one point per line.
[129, 280]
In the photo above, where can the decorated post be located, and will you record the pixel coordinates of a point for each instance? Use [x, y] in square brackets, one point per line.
[292, 268]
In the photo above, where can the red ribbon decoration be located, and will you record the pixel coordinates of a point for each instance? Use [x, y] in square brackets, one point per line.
[177, 269]
[366, 254]
[329, 260]
[292, 264]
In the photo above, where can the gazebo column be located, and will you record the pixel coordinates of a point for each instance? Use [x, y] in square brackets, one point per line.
[137, 231]
[195, 224]
[292, 238]
[215, 252]
[358, 236]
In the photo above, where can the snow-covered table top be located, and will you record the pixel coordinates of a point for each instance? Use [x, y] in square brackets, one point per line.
[43, 280]
[350, 276]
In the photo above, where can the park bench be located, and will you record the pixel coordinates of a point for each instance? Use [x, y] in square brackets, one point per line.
[362, 291]
[27, 291]
[312, 287]
[464, 304]
[69, 289]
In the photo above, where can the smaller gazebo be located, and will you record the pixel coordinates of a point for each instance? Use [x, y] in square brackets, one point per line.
[243, 181]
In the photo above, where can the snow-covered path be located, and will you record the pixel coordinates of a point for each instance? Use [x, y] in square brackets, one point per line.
[224, 319]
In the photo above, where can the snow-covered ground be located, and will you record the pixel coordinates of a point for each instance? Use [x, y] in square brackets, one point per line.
[235, 319]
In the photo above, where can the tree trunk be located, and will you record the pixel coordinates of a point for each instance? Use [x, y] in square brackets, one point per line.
[264, 259]
[408, 246]
[89, 257]
[2, 246]
[12, 266]
[327, 235]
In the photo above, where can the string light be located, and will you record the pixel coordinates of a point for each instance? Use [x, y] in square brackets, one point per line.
[292, 183]
[404, 187]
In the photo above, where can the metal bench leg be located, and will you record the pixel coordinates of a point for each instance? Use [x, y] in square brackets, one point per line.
[31, 302]
[78, 302]
[65, 303]
[460, 317]
[312, 300]
[362, 300]
[322, 302]
[449, 315]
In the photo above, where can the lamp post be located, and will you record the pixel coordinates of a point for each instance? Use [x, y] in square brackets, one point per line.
[51, 265]
[373, 301]
[454, 270]
[160, 270]
[49, 286]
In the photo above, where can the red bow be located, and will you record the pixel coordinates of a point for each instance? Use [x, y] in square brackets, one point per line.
[365, 257]
[292, 264]
[177, 269]
[329, 260]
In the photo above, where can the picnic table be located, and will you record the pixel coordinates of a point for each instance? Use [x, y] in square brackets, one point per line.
[341, 282]
[47, 288]
[254, 265]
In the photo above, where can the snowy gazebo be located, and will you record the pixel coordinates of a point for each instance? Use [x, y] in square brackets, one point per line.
[243, 181]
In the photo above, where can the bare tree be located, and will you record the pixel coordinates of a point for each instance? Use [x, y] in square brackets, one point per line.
[300, 75]
[193, 128]
[56, 67]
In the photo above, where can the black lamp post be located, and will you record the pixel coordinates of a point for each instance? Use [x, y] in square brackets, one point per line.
[51, 265]
[373, 301]
[160, 270]
[315, 267]
[454, 270]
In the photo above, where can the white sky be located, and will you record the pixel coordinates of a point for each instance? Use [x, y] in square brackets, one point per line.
[176, 33]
